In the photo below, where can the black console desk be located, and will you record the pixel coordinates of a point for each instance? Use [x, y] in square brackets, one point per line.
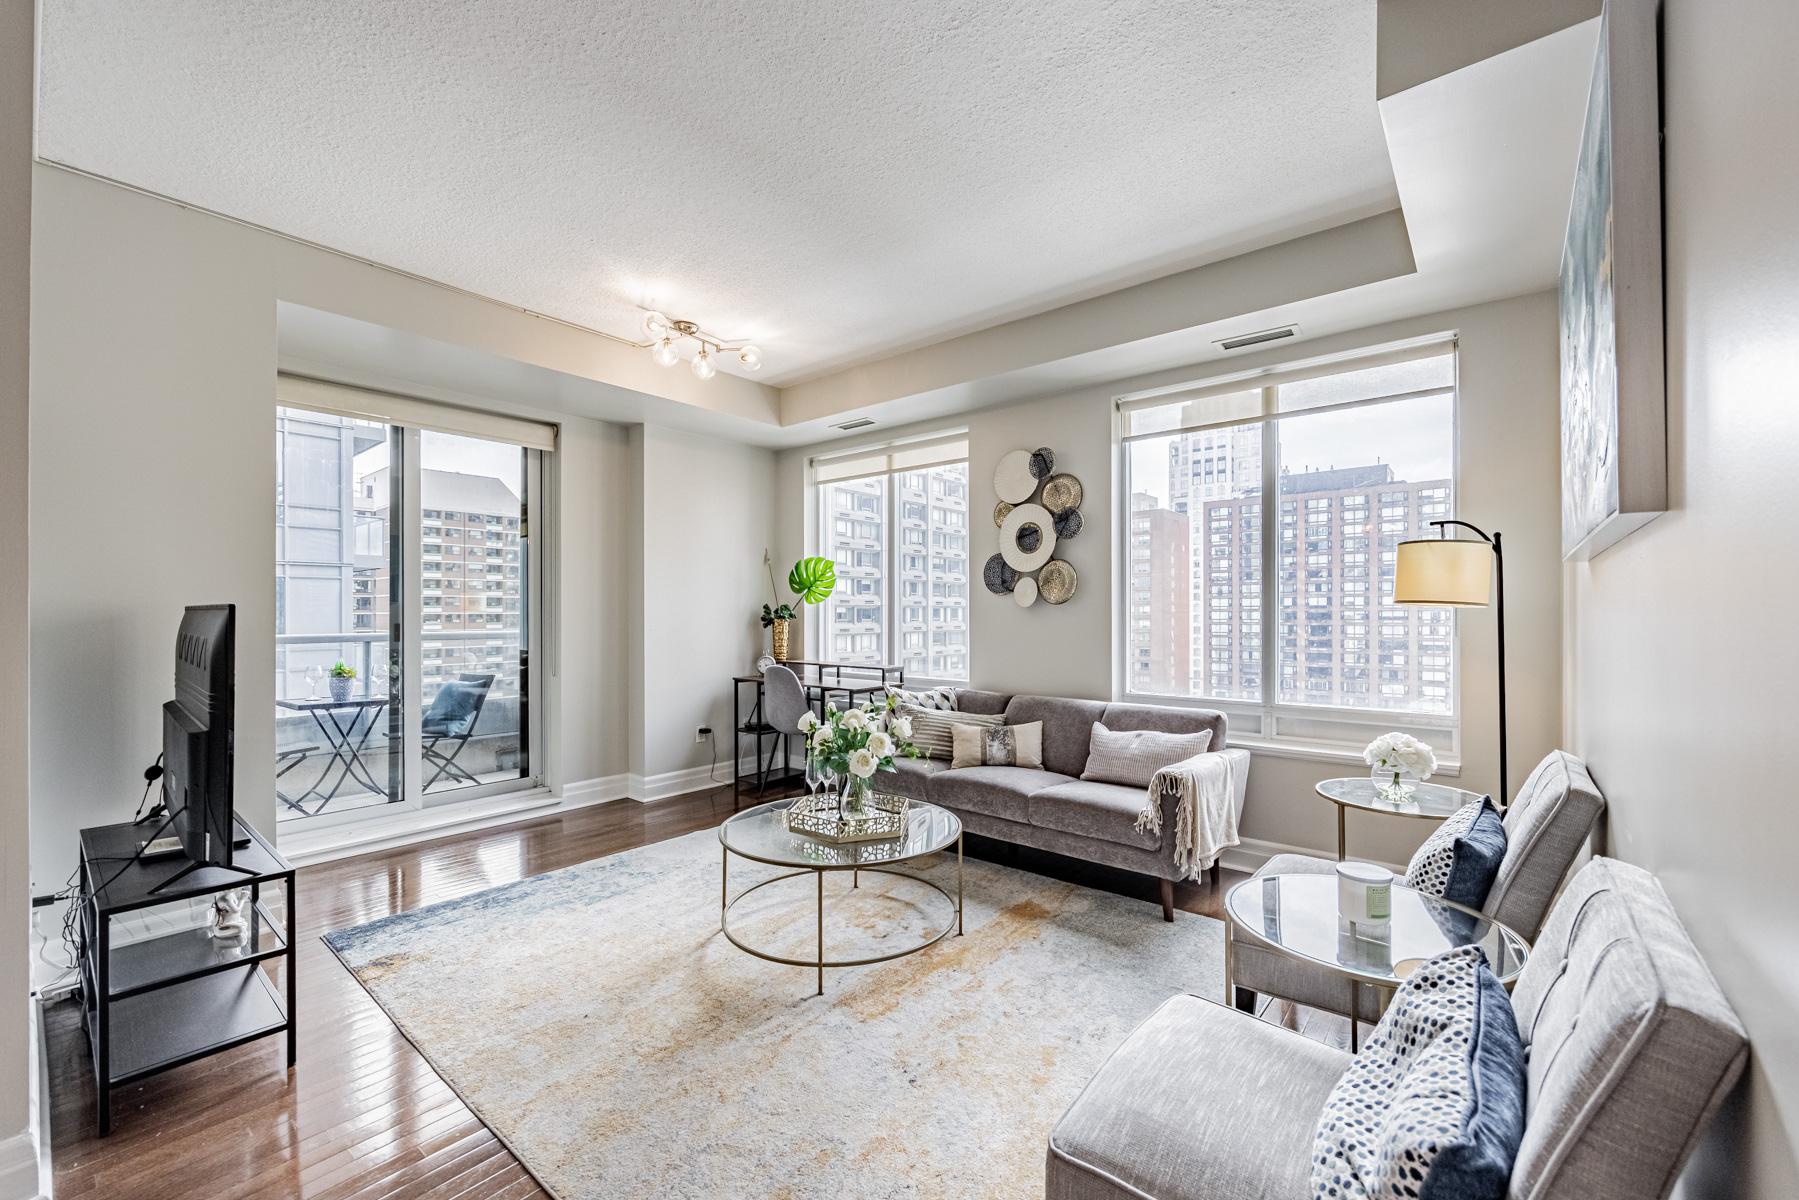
[155, 1000]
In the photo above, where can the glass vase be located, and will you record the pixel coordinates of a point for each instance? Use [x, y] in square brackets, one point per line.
[853, 802]
[1393, 784]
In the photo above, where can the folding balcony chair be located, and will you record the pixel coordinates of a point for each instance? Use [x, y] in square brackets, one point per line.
[293, 756]
[451, 721]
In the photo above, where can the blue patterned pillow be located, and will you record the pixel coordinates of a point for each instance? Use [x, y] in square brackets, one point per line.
[1460, 860]
[1433, 1106]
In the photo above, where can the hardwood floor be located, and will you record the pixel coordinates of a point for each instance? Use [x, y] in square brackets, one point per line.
[362, 1114]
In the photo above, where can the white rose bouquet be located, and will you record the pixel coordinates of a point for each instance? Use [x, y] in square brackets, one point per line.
[1395, 757]
[861, 741]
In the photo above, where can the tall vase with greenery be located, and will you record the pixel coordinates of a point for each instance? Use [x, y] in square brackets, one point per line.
[812, 580]
[855, 744]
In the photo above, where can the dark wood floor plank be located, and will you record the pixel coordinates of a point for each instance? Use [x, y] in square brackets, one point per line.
[363, 1115]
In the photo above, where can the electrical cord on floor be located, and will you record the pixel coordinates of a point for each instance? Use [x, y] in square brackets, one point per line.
[712, 770]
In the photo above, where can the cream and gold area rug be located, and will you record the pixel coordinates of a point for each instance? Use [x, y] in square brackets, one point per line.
[597, 1020]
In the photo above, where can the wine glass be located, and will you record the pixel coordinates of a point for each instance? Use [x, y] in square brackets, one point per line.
[378, 677]
[313, 675]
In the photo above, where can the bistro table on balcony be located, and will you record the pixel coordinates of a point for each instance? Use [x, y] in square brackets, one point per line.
[346, 744]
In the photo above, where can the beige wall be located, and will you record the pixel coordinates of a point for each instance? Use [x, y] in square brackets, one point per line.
[154, 352]
[1507, 443]
[1682, 647]
[18, 1160]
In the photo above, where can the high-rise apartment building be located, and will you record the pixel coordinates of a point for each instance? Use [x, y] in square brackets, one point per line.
[1161, 599]
[900, 545]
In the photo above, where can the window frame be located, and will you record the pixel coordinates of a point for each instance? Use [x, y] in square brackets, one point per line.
[1267, 725]
[901, 461]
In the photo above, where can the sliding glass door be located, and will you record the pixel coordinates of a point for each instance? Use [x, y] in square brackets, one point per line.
[403, 597]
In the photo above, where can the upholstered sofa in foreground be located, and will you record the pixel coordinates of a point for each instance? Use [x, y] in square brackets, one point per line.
[1630, 1049]
[1054, 808]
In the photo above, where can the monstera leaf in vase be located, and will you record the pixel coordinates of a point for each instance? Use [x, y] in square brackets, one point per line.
[813, 579]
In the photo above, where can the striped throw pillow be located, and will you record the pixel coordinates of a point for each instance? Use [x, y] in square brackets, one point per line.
[931, 729]
[943, 698]
[1132, 757]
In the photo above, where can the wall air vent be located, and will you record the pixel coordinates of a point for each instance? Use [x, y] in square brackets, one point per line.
[858, 423]
[1256, 339]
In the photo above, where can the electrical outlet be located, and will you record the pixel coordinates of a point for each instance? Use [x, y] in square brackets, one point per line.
[702, 732]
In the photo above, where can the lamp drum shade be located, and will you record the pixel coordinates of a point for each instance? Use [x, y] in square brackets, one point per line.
[1450, 572]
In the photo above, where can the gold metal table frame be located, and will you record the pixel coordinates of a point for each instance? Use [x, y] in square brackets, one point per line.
[727, 902]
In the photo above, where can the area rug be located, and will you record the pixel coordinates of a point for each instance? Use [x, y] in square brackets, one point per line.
[600, 1024]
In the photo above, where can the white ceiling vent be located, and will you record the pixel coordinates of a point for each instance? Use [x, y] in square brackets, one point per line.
[858, 423]
[1256, 339]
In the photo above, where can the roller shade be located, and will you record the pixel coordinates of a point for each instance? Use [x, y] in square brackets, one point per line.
[1274, 376]
[935, 451]
[297, 391]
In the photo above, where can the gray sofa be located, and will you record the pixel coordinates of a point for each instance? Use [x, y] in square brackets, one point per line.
[1054, 809]
[1631, 1048]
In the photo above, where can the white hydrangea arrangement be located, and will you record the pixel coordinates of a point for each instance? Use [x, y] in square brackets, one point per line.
[858, 741]
[1397, 757]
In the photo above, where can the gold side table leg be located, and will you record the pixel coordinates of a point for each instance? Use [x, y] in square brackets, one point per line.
[1355, 1041]
[958, 885]
[724, 883]
[821, 932]
[1342, 843]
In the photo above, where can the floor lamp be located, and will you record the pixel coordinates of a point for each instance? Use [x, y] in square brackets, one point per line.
[1451, 572]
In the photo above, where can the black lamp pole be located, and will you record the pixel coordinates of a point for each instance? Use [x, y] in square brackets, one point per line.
[1505, 797]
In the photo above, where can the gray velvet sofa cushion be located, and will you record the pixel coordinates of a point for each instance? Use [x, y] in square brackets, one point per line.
[1545, 828]
[1121, 717]
[910, 777]
[996, 791]
[969, 700]
[1104, 811]
[1632, 1044]
[1067, 726]
[1199, 1103]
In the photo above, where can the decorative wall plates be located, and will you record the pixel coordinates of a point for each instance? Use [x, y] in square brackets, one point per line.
[1025, 593]
[1062, 492]
[1000, 510]
[1056, 582]
[1013, 480]
[1043, 462]
[998, 577]
[1068, 523]
[1027, 519]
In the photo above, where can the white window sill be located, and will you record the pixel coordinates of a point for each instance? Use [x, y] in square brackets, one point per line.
[303, 847]
[1322, 752]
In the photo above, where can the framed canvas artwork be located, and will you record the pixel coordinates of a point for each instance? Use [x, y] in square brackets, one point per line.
[1614, 399]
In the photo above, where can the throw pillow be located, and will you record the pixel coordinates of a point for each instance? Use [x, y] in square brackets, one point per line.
[1433, 1106]
[1133, 756]
[931, 728]
[997, 745]
[942, 699]
[1460, 860]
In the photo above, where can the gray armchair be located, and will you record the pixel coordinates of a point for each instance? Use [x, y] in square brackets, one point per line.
[1545, 828]
[1631, 1049]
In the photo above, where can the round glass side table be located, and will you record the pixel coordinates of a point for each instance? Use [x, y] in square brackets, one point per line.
[761, 835]
[1430, 802]
[1297, 916]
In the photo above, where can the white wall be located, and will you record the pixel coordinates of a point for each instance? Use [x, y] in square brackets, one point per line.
[1682, 645]
[154, 353]
[707, 519]
[18, 1158]
[1508, 446]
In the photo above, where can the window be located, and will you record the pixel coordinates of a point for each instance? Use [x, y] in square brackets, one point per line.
[916, 520]
[1349, 466]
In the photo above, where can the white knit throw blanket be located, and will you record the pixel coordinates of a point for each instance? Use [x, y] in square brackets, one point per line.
[1205, 819]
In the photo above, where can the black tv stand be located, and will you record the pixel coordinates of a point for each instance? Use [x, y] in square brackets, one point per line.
[155, 1003]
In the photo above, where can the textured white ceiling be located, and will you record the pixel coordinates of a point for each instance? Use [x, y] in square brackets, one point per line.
[834, 180]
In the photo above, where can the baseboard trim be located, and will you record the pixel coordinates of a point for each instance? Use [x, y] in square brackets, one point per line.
[650, 788]
[19, 1167]
[1250, 854]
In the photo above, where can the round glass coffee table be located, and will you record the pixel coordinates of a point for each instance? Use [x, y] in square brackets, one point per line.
[760, 834]
[1430, 801]
[1296, 916]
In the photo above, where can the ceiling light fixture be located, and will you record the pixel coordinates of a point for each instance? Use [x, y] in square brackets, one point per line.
[664, 333]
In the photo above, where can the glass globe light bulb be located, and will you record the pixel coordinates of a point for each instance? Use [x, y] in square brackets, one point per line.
[655, 324]
[664, 354]
[702, 364]
[750, 357]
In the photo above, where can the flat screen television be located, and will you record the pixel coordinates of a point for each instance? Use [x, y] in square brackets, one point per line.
[197, 734]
